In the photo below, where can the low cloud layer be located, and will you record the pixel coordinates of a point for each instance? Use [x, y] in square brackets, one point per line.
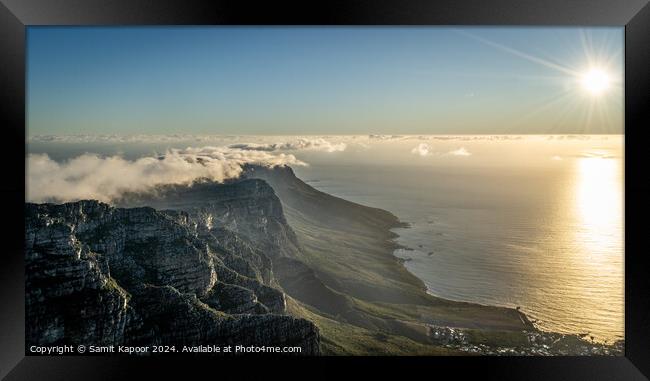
[424, 149]
[470, 137]
[296, 145]
[264, 143]
[90, 176]
[287, 143]
[460, 152]
[386, 137]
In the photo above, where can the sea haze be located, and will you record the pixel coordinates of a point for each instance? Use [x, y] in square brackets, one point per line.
[534, 222]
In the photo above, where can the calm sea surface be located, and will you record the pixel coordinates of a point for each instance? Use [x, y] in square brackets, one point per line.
[548, 239]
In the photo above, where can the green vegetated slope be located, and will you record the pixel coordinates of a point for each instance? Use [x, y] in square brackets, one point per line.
[360, 296]
[339, 338]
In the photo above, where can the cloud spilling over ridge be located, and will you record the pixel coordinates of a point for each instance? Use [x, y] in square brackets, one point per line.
[319, 144]
[90, 176]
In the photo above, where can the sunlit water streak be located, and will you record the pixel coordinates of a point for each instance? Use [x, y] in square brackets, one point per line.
[549, 240]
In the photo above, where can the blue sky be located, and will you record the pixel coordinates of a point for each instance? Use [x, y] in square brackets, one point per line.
[321, 80]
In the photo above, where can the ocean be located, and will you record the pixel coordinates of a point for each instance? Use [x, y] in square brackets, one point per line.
[547, 238]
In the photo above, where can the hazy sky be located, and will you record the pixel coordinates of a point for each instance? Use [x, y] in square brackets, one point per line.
[323, 80]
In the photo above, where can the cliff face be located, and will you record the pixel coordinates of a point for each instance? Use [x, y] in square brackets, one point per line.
[249, 208]
[103, 275]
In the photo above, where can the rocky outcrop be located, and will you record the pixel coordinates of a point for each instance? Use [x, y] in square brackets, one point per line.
[173, 318]
[103, 275]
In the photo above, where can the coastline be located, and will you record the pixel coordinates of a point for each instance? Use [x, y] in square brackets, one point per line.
[526, 319]
[403, 262]
[532, 340]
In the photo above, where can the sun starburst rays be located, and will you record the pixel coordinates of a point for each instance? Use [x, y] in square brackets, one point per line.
[592, 87]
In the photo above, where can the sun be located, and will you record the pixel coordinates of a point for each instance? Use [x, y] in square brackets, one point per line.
[595, 81]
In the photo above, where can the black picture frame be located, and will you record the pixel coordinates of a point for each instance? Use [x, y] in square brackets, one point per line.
[16, 15]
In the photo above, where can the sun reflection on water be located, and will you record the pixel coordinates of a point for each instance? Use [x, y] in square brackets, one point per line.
[599, 203]
[599, 234]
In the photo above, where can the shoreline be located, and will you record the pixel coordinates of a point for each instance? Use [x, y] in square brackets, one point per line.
[519, 309]
[428, 290]
[540, 342]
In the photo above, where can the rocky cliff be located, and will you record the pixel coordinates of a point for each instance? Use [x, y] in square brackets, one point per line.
[248, 207]
[102, 275]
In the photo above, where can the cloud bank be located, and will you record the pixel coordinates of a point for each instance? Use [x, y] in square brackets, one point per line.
[471, 137]
[291, 144]
[296, 145]
[385, 137]
[90, 176]
[424, 149]
[459, 152]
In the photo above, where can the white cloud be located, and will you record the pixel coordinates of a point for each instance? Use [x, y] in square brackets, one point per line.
[459, 152]
[90, 176]
[385, 137]
[292, 144]
[422, 149]
[319, 144]
[470, 137]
